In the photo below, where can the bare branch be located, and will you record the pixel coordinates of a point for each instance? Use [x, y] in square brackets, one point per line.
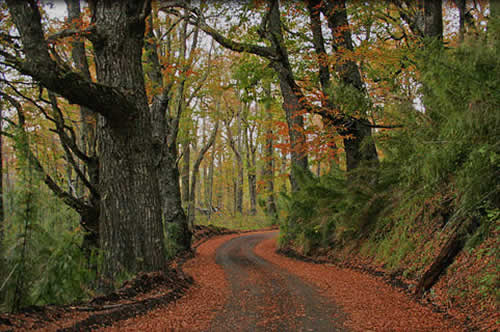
[264, 51]
[75, 203]
[70, 33]
[111, 102]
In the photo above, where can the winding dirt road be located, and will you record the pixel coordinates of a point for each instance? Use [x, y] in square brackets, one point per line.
[266, 297]
[242, 284]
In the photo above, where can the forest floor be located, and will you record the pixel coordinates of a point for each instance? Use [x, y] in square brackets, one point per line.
[240, 283]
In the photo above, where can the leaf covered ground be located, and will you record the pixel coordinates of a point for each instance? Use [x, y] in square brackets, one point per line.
[366, 302]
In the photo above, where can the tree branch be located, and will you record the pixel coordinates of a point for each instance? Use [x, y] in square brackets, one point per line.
[228, 43]
[75, 203]
[69, 33]
[70, 145]
[109, 101]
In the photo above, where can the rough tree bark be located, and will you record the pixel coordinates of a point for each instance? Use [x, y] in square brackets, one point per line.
[131, 234]
[131, 224]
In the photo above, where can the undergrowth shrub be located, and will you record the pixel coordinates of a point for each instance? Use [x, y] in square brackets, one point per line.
[42, 261]
[441, 169]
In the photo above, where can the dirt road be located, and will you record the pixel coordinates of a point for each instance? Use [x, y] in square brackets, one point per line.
[266, 297]
[242, 284]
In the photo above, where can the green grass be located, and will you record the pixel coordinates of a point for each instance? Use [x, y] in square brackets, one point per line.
[237, 222]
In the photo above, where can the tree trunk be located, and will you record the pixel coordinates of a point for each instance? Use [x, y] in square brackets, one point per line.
[196, 168]
[175, 218]
[165, 130]
[283, 167]
[360, 148]
[358, 144]
[433, 19]
[291, 102]
[130, 221]
[252, 184]
[201, 173]
[271, 209]
[239, 168]
[295, 121]
[235, 145]
[205, 183]
[220, 191]
[461, 6]
[210, 183]
[186, 162]
[250, 162]
[2, 213]
[446, 256]
[327, 101]
[235, 189]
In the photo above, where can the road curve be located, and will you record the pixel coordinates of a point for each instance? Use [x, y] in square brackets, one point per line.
[265, 297]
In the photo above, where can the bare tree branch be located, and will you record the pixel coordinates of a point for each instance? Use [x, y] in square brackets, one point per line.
[78, 204]
[110, 102]
[264, 51]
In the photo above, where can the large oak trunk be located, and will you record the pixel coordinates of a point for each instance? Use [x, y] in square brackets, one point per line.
[130, 221]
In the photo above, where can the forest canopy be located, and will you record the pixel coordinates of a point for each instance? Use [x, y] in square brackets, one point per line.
[367, 128]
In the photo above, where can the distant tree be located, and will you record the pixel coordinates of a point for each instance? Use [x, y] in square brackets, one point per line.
[295, 99]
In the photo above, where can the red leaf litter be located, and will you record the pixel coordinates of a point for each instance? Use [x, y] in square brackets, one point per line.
[369, 303]
[198, 307]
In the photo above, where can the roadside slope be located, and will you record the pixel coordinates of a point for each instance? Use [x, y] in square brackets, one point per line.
[370, 303]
